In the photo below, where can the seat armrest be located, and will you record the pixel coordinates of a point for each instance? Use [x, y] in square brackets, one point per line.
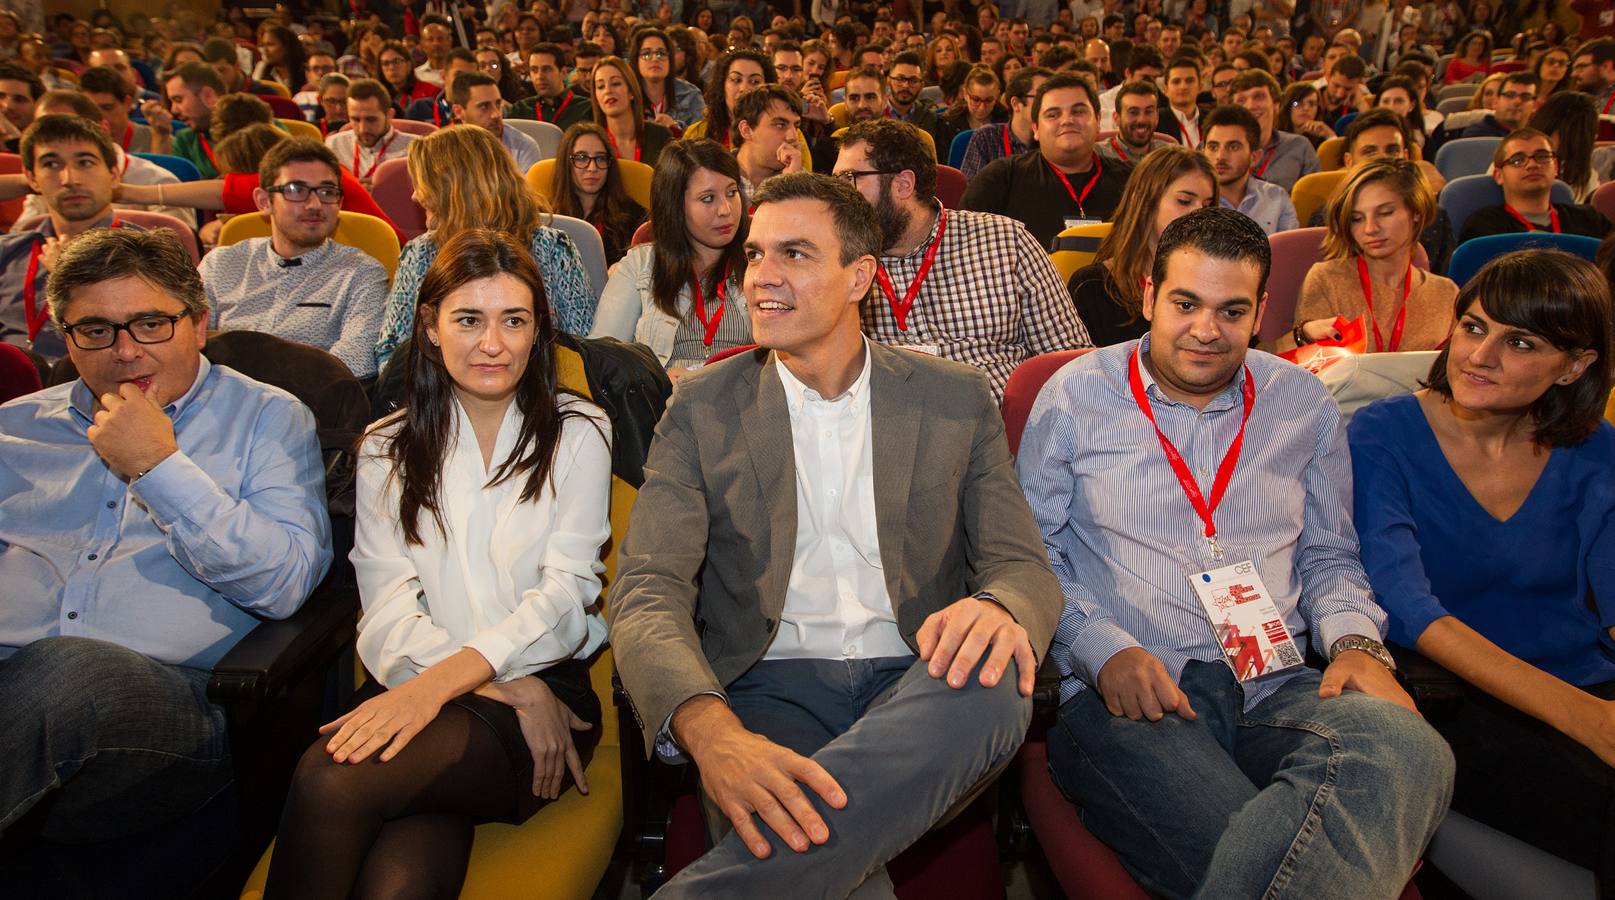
[1435, 690]
[277, 653]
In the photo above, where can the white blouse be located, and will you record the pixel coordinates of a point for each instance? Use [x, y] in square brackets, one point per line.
[517, 582]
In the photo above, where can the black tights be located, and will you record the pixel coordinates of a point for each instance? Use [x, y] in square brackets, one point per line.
[400, 829]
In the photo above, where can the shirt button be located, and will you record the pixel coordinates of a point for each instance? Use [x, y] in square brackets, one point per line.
[112, 504]
[92, 556]
[72, 615]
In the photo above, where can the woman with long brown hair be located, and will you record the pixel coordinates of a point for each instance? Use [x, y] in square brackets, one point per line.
[1109, 293]
[482, 506]
[464, 178]
[588, 186]
[681, 296]
[735, 73]
[619, 109]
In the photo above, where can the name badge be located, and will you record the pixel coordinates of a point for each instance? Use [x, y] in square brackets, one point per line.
[1074, 221]
[1253, 636]
[927, 349]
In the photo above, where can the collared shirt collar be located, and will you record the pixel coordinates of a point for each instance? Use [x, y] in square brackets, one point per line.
[1228, 399]
[797, 393]
[936, 223]
[83, 403]
[307, 258]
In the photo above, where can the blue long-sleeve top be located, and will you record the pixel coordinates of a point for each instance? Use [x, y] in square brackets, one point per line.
[1540, 585]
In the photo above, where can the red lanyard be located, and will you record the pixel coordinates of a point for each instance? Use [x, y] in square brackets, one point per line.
[33, 314]
[437, 113]
[1077, 198]
[1553, 218]
[381, 153]
[710, 325]
[1119, 151]
[1266, 158]
[1610, 102]
[538, 107]
[639, 148]
[1007, 151]
[1225, 469]
[1401, 317]
[901, 310]
[660, 106]
[128, 134]
[208, 149]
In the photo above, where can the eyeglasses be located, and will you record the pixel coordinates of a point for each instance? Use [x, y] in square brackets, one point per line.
[652, 54]
[299, 191]
[1541, 158]
[1516, 95]
[395, 61]
[851, 176]
[142, 329]
[491, 66]
[903, 79]
[586, 160]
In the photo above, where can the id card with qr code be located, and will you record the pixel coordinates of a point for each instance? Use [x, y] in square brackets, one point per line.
[1253, 636]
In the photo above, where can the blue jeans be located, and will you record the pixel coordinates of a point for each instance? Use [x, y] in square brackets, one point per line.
[1299, 797]
[106, 742]
[907, 749]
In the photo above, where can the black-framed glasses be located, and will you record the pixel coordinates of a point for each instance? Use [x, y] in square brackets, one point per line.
[98, 335]
[650, 53]
[1541, 158]
[851, 176]
[299, 191]
[586, 160]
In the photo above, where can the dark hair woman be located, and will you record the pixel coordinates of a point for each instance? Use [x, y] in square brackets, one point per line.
[398, 73]
[482, 508]
[588, 186]
[283, 59]
[1570, 120]
[670, 101]
[673, 295]
[619, 109]
[1485, 505]
[735, 73]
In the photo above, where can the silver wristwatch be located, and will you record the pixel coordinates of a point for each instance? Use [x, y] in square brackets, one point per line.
[1367, 645]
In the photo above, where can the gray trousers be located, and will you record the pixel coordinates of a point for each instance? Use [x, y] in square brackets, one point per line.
[907, 749]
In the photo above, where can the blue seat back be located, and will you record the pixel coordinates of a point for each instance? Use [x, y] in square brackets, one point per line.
[1465, 156]
[183, 169]
[1472, 254]
[956, 150]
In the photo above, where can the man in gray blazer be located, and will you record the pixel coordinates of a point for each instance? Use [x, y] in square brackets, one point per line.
[788, 605]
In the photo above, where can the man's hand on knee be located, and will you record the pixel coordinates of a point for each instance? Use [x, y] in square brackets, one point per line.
[1135, 684]
[745, 773]
[954, 639]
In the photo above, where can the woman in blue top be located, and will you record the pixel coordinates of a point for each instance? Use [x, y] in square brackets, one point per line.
[1485, 504]
[465, 178]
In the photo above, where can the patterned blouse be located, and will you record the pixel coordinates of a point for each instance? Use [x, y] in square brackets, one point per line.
[572, 301]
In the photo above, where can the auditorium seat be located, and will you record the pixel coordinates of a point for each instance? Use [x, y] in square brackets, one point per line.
[1294, 253]
[10, 210]
[642, 234]
[148, 221]
[950, 186]
[1076, 247]
[1474, 253]
[1465, 156]
[1462, 196]
[545, 134]
[1312, 192]
[636, 180]
[301, 128]
[408, 126]
[18, 374]
[394, 192]
[178, 166]
[1331, 154]
[957, 148]
[1603, 200]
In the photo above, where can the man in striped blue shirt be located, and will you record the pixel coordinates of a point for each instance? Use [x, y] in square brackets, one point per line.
[1182, 454]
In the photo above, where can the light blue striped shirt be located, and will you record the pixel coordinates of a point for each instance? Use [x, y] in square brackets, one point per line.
[182, 563]
[1123, 538]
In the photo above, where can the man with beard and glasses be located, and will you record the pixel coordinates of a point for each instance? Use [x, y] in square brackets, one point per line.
[1137, 114]
[904, 78]
[298, 283]
[966, 286]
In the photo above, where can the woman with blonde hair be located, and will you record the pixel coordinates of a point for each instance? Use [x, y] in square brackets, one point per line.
[1109, 294]
[1483, 101]
[464, 178]
[1374, 222]
[619, 108]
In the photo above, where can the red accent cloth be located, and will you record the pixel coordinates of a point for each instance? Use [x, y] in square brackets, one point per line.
[18, 376]
[238, 189]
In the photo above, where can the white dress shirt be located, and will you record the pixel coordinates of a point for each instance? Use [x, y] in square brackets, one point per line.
[836, 603]
[1190, 126]
[517, 582]
[392, 145]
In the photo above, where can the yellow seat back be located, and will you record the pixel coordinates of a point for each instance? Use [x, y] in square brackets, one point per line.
[299, 128]
[930, 142]
[636, 179]
[1331, 154]
[1312, 193]
[366, 232]
[1067, 262]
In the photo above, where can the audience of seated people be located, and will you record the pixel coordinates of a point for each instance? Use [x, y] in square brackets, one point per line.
[1140, 123]
[298, 283]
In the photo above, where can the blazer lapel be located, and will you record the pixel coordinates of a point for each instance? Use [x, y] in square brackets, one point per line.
[766, 424]
[895, 427]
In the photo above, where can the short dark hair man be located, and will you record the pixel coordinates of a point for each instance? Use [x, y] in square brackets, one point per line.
[20, 90]
[712, 627]
[152, 512]
[1278, 157]
[1137, 114]
[1144, 63]
[477, 102]
[371, 138]
[1018, 134]
[988, 296]
[439, 108]
[192, 90]
[1516, 100]
[1231, 136]
[1593, 67]
[1343, 90]
[766, 120]
[112, 94]
[1065, 182]
[1524, 166]
[553, 101]
[865, 94]
[298, 283]
[1195, 739]
[904, 79]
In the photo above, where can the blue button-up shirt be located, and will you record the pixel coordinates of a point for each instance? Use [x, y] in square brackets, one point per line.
[1268, 204]
[183, 562]
[1123, 538]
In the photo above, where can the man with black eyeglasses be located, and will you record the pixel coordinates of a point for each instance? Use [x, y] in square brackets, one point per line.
[1516, 100]
[1524, 166]
[298, 283]
[72, 165]
[904, 79]
[152, 512]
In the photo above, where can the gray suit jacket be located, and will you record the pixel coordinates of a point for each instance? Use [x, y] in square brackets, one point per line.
[703, 570]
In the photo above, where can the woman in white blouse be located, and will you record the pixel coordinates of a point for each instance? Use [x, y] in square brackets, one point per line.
[698, 212]
[482, 508]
